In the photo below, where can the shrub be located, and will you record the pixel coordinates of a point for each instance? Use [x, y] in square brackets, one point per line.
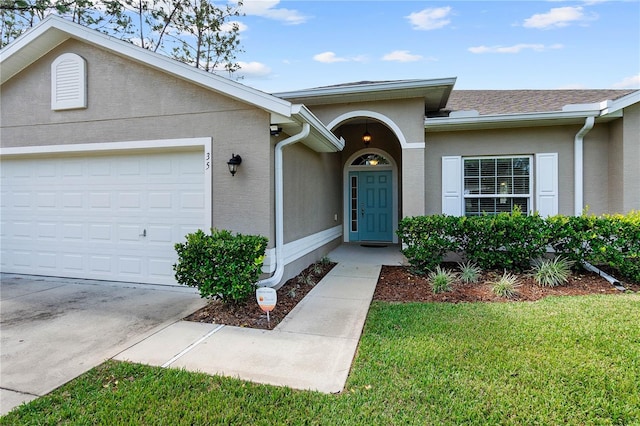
[221, 264]
[441, 279]
[552, 272]
[511, 240]
[612, 240]
[506, 285]
[469, 272]
[427, 239]
[505, 241]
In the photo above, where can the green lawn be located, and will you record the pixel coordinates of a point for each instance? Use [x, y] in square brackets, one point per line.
[569, 360]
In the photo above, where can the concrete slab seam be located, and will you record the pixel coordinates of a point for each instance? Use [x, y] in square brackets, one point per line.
[192, 346]
[19, 392]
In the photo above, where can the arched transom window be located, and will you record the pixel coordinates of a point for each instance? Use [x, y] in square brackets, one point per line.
[371, 159]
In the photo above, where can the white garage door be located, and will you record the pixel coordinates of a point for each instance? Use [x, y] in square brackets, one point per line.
[111, 217]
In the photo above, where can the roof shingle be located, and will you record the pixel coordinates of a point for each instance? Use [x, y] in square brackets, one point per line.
[493, 102]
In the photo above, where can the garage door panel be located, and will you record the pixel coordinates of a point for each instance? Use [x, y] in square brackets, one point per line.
[85, 216]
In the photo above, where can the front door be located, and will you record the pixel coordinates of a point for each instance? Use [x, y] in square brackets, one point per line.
[371, 217]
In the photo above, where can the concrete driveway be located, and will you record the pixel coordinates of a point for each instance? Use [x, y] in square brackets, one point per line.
[54, 329]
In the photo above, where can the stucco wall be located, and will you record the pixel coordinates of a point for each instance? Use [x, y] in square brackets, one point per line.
[129, 102]
[407, 114]
[520, 141]
[312, 191]
[616, 160]
[631, 159]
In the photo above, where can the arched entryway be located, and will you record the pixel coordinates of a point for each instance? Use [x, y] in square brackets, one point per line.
[370, 197]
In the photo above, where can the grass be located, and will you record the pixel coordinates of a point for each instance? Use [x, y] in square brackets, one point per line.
[562, 360]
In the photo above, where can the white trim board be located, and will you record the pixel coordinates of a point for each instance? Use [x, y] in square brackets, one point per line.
[294, 250]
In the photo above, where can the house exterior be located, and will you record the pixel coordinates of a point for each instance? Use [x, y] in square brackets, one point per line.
[110, 154]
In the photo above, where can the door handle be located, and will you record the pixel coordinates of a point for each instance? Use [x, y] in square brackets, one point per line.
[144, 233]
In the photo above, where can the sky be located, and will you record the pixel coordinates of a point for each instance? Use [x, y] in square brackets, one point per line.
[299, 44]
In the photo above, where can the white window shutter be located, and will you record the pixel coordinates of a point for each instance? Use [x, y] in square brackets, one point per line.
[452, 185]
[68, 82]
[547, 184]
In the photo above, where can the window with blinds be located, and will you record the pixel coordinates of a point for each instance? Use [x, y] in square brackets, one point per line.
[497, 184]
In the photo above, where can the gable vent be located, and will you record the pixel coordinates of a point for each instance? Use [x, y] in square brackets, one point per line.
[68, 82]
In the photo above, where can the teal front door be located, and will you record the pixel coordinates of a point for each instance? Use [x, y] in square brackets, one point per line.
[371, 204]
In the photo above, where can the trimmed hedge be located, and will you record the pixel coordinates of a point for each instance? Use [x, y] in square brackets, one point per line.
[221, 264]
[512, 240]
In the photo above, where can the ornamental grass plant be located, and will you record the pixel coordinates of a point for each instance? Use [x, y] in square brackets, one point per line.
[552, 272]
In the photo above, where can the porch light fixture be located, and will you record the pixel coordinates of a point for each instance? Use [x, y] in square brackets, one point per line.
[233, 164]
[366, 137]
[274, 130]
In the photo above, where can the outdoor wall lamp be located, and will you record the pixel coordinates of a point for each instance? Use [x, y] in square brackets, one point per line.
[274, 130]
[366, 137]
[233, 164]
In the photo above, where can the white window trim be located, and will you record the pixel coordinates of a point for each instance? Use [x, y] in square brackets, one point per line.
[544, 184]
[529, 195]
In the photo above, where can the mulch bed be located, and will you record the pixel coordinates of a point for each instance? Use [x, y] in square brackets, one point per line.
[249, 314]
[398, 284]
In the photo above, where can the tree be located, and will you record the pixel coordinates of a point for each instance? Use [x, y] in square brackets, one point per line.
[192, 31]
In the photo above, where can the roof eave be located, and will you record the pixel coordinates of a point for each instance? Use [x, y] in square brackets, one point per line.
[435, 92]
[366, 87]
[320, 139]
[439, 124]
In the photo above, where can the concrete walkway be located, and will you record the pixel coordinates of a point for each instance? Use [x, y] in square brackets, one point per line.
[311, 349]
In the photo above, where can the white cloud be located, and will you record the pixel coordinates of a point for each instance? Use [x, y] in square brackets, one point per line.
[430, 19]
[267, 9]
[401, 56]
[516, 48]
[328, 58]
[558, 17]
[253, 69]
[228, 26]
[632, 82]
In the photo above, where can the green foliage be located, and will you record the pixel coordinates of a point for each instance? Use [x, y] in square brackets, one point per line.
[504, 241]
[469, 272]
[306, 279]
[612, 240]
[221, 264]
[441, 279]
[512, 240]
[552, 272]
[506, 285]
[427, 240]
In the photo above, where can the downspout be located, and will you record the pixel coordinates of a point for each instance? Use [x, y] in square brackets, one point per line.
[578, 166]
[279, 199]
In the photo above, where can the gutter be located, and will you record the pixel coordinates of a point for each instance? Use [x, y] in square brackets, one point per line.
[279, 198]
[604, 275]
[578, 166]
